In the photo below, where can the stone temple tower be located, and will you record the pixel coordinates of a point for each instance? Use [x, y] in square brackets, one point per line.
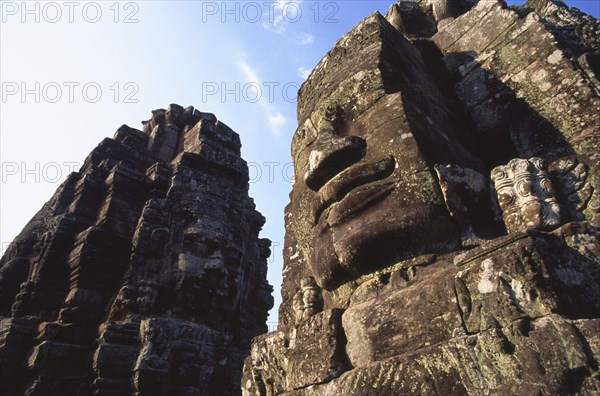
[144, 273]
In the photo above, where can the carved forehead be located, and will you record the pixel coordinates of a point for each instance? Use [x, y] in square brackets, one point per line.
[340, 107]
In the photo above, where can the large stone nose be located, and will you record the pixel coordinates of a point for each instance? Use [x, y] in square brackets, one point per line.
[331, 156]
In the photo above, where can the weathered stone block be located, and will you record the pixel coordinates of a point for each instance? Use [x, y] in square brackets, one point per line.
[312, 353]
[468, 199]
[526, 195]
[397, 322]
[577, 181]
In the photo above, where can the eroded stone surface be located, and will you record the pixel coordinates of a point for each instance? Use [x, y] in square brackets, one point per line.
[484, 364]
[144, 273]
[534, 99]
[312, 353]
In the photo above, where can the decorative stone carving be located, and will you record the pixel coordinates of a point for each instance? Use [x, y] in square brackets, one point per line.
[308, 300]
[526, 195]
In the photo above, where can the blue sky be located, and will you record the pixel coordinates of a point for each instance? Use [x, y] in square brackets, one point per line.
[72, 73]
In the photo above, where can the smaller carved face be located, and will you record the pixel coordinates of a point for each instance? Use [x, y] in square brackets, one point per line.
[525, 195]
[201, 271]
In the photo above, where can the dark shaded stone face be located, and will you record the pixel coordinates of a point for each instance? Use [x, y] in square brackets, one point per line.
[207, 268]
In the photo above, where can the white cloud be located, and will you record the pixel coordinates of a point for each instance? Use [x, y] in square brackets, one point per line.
[276, 26]
[275, 119]
[282, 13]
[307, 39]
[276, 122]
[249, 73]
[303, 73]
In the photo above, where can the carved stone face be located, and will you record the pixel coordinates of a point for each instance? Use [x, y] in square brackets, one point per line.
[365, 195]
[147, 298]
[202, 275]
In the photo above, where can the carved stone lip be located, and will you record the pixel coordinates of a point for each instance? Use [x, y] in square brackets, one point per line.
[361, 199]
[363, 176]
[340, 154]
